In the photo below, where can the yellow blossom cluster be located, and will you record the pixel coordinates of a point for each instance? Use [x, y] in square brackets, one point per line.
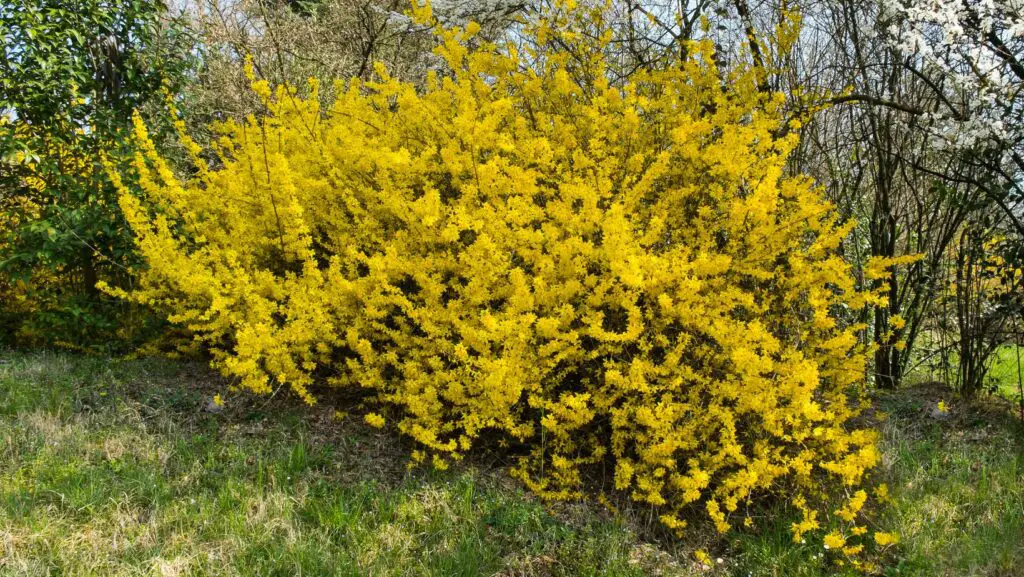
[22, 212]
[14, 294]
[522, 251]
[18, 295]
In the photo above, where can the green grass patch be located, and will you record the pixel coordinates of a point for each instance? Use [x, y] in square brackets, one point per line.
[112, 468]
[1006, 372]
[957, 486]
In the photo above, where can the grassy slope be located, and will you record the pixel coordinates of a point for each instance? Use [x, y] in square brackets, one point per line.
[109, 468]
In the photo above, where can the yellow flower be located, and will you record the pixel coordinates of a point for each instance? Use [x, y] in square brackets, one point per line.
[834, 541]
[374, 420]
[886, 539]
[218, 401]
[853, 550]
[853, 506]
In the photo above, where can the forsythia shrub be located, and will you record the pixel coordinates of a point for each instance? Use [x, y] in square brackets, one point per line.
[520, 250]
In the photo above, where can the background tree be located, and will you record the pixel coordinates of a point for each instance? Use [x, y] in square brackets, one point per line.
[898, 148]
[70, 75]
[292, 41]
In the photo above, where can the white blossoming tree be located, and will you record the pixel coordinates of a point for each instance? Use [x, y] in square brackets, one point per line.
[971, 53]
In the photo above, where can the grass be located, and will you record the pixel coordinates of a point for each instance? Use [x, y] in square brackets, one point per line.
[111, 468]
[958, 486]
[1005, 373]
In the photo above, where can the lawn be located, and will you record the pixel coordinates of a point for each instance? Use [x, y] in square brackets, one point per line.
[1006, 372]
[114, 468]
